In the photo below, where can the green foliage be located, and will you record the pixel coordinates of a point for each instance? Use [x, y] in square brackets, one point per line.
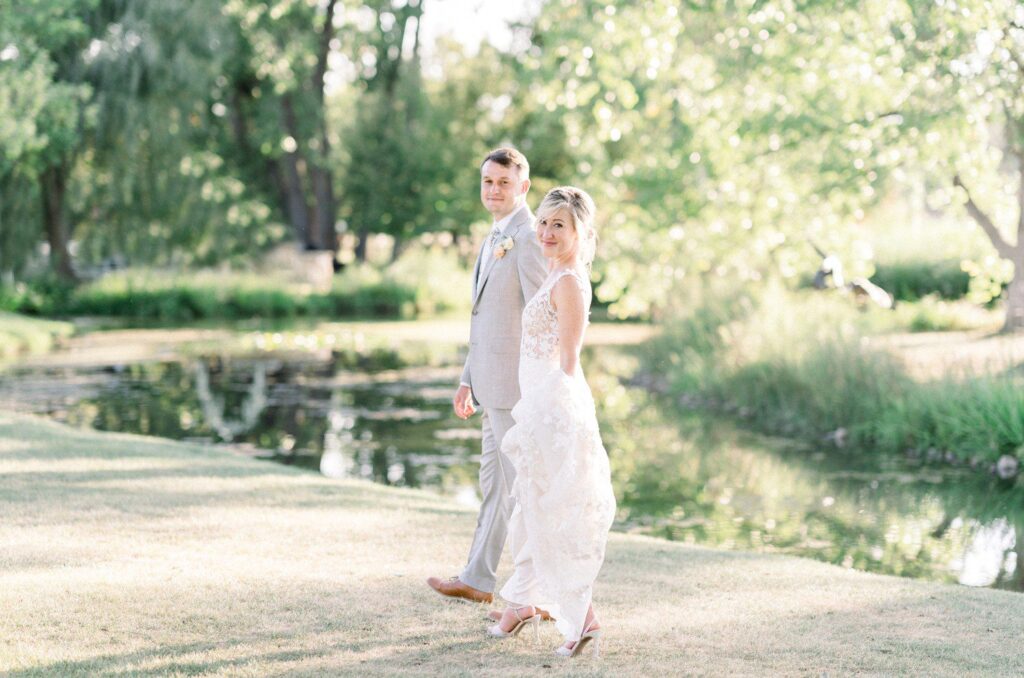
[44, 116]
[19, 334]
[217, 296]
[422, 283]
[932, 314]
[800, 366]
[912, 280]
[978, 419]
[717, 138]
[393, 162]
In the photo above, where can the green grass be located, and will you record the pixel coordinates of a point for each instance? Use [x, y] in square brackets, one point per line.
[801, 364]
[913, 280]
[933, 314]
[20, 334]
[423, 283]
[132, 556]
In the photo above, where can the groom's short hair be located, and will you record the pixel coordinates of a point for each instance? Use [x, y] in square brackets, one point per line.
[506, 156]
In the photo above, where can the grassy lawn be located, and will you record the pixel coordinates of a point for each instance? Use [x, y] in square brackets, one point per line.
[132, 556]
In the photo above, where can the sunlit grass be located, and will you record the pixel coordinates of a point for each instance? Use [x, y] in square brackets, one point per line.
[803, 363]
[931, 314]
[20, 334]
[422, 283]
[132, 555]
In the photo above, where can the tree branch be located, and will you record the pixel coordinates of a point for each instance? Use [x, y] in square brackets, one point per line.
[323, 51]
[1002, 247]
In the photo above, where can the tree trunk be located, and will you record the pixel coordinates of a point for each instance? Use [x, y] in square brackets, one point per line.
[1018, 572]
[295, 201]
[1015, 253]
[323, 193]
[364, 235]
[1015, 290]
[53, 188]
[1015, 300]
[398, 248]
[298, 208]
[325, 211]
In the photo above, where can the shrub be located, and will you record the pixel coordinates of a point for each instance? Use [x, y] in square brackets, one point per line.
[422, 283]
[797, 364]
[19, 334]
[913, 280]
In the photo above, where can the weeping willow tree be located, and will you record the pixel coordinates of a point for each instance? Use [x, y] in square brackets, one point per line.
[47, 102]
[154, 187]
[24, 93]
[112, 99]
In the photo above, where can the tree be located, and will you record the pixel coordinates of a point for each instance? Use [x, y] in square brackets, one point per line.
[388, 155]
[121, 155]
[47, 38]
[276, 103]
[969, 60]
[716, 137]
[24, 93]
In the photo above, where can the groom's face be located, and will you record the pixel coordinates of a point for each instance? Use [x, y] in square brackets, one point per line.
[502, 190]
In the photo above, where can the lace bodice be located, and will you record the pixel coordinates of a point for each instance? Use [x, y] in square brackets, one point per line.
[540, 322]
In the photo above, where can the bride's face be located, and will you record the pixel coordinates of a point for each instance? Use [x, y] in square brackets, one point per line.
[557, 236]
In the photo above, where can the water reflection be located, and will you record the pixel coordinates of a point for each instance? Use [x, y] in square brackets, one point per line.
[688, 477]
[678, 475]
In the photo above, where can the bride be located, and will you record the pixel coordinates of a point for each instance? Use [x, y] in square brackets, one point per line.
[562, 489]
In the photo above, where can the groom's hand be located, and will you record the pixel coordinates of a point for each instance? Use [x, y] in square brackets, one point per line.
[463, 402]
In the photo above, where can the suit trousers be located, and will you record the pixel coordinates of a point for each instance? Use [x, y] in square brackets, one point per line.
[496, 476]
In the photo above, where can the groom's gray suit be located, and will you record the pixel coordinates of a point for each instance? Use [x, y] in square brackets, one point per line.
[501, 288]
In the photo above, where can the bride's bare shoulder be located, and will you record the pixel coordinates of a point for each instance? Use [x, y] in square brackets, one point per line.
[567, 292]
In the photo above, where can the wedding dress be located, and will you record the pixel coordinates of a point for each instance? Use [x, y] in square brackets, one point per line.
[564, 501]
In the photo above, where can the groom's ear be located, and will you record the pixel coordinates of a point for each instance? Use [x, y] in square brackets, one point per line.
[526, 186]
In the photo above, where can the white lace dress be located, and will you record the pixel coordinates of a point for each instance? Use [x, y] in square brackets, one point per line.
[563, 493]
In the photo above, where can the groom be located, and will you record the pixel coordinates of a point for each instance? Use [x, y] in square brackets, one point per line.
[509, 270]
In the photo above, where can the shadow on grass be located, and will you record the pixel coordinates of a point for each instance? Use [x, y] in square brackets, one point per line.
[160, 478]
[161, 661]
[668, 609]
[654, 626]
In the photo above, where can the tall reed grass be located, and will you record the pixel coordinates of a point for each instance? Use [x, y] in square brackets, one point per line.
[798, 363]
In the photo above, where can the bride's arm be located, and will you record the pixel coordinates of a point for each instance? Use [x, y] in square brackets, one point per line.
[567, 298]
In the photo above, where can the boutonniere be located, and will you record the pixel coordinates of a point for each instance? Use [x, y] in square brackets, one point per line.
[503, 247]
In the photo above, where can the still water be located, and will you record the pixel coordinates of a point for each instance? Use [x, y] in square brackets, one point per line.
[678, 475]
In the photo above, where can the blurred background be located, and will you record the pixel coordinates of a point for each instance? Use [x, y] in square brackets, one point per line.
[252, 223]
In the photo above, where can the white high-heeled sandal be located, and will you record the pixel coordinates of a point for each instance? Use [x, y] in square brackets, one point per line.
[588, 636]
[534, 620]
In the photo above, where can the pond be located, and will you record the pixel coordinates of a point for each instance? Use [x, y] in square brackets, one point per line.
[678, 475]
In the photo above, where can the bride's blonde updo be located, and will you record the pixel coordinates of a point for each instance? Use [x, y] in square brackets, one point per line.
[581, 206]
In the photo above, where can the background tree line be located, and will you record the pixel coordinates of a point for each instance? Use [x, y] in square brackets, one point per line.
[720, 138]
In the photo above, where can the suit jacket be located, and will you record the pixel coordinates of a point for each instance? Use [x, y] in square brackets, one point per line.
[501, 288]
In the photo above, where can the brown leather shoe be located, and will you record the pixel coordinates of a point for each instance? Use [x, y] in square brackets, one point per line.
[495, 615]
[454, 588]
